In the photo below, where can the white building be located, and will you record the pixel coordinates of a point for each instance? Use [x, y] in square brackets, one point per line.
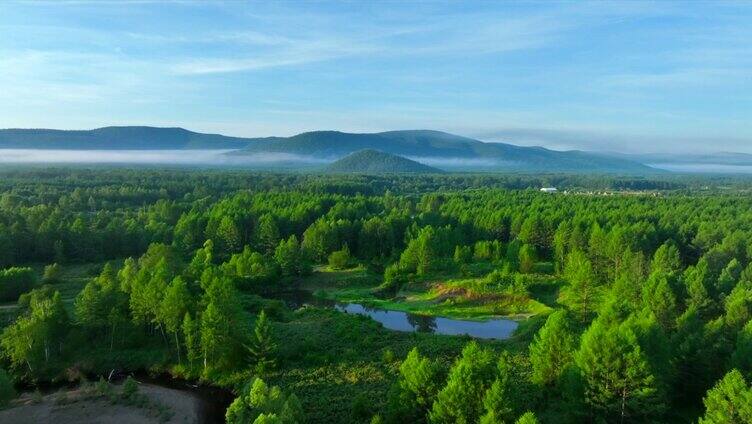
[549, 189]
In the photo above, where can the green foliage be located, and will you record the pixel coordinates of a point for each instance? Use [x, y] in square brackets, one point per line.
[130, 388]
[461, 400]
[412, 395]
[618, 380]
[527, 418]
[290, 257]
[263, 348]
[527, 258]
[582, 293]
[52, 273]
[14, 282]
[552, 349]
[7, 391]
[259, 403]
[37, 338]
[340, 259]
[730, 401]
[742, 356]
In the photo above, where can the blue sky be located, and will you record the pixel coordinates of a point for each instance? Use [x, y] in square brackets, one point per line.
[626, 76]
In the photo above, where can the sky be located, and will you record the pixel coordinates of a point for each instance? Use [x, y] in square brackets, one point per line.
[610, 76]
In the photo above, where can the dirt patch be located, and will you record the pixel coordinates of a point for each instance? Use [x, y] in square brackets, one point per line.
[443, 292]
[77, 406]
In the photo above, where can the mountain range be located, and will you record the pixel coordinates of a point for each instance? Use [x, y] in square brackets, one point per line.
[433, 148]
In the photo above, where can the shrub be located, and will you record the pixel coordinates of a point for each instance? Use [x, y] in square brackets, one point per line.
[130, 388]
[52, 273]
[340, 259]
[7, 392]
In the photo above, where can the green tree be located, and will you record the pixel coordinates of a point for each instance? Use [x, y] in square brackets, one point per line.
[461, 400]
[412, 395]
[552, 350]
[729, 402]
[581, 293]
[340, 259]
[37, 337]
[263, 348]
[527, 418]
[742, 357]
[498, 401]
[52, 273]
[192, 338]
[175, 305]
[268, 233]
[290, 258]
[222, 328]
[618, 382]
[659, 297]
[527, 258]
[259, 403]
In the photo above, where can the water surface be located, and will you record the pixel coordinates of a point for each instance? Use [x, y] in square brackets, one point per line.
[496, 328]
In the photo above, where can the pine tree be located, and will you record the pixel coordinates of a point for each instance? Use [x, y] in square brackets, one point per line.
[618, 381]
[581, 292]
[666, 259]
[729, 402]
[412, 395]
[263, 348]
[527, 258]
[268, 234]
[742, 357]
[461, 400]
[551, 350]
[527, 418]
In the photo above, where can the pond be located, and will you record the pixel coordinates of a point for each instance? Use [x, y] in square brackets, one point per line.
[495, 328]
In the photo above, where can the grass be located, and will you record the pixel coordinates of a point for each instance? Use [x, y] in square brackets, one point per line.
[458, 298]
[326, 357]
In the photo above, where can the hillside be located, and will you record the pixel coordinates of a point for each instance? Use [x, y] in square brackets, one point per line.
[116, 138]
[433, 148]
[445, 150]
[374, 162]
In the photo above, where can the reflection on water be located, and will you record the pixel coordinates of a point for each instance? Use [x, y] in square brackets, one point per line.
[498, 328]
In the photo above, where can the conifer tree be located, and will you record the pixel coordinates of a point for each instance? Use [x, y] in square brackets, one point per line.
[263, 347]
[552, 350]
[461, 400]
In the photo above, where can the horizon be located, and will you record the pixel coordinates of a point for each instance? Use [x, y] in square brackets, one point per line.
[629, 77]
[614, 152]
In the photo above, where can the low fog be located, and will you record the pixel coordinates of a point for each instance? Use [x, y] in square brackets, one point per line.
[163, 157]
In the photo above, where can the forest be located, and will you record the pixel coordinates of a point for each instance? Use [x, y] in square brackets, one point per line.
[631, 297]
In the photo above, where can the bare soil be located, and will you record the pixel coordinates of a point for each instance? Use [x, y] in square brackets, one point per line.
[78, 408]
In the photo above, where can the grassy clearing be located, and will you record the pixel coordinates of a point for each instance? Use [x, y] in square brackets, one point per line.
[460, 298]
[328, 356]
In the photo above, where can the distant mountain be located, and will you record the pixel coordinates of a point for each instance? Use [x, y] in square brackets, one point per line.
[374, 162]
[718, 158]
[445, 150]
[116, 138]
[433, 148]
[718, 162]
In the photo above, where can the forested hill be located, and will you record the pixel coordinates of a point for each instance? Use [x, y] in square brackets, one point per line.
[448, 151]
[434, 148]
[374, 162]
[116, 138]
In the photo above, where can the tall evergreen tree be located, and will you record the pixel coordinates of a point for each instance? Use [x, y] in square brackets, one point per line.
[619, 384]
[461, 400]
[552, 350]
[729, 402]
